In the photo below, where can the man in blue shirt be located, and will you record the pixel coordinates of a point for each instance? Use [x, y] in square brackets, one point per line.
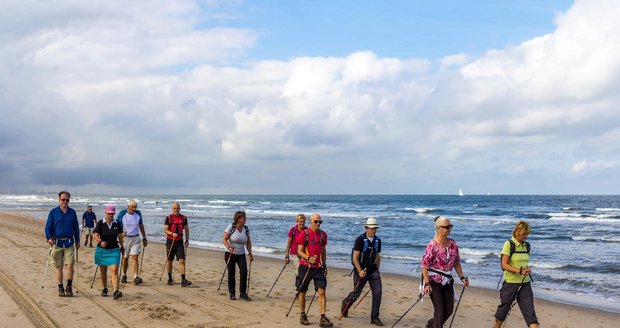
[88, 224]
[62, 232]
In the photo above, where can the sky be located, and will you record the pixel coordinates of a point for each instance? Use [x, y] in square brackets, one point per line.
[310, 97]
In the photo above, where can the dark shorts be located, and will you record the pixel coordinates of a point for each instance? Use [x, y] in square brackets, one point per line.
[177, 250]
[316, 274]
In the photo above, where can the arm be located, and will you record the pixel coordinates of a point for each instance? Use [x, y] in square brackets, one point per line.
[76, 231]
[226, 244]
[378, 260]
[288, 250]
[522, 271]
[427, 280]
[357, 265]
[49, 228]
[186, 234]
[248, 245]
[459, 271]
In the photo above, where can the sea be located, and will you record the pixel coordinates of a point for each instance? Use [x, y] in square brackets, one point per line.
[575, 240]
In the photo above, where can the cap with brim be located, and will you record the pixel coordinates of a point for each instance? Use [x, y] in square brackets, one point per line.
[110, 209]
[371, 223]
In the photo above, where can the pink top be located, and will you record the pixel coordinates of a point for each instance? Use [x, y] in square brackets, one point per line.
[441, 258]
[293, 233]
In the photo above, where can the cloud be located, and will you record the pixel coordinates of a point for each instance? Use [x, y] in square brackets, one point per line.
[158, 97]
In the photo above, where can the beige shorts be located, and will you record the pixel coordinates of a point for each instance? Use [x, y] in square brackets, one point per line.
[133, 246]
[62, 256]
[295, 260]
[88, 231]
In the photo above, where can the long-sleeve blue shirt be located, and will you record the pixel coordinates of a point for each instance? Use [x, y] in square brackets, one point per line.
[64, 227]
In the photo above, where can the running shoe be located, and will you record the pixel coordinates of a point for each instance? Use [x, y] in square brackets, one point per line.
[185, 283]
[124, 279]
[117, 294]
[104, 292]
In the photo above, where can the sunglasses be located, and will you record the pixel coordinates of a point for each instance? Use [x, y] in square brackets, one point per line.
[317, 221]
[64, 199]
[447, 227]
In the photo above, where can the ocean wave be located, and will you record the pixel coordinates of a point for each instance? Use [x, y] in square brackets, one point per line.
[605, 209]
[207, 206]
[604, 239]
[222, 201]
[580, 217]
[402, 258]
[420, 209]
[546, 265]
[571, 208]
[476, 252]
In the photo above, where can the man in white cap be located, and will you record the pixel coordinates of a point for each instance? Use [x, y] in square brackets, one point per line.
[366, 259]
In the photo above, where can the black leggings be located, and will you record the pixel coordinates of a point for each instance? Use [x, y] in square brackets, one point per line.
[243, 272]
[443, 303]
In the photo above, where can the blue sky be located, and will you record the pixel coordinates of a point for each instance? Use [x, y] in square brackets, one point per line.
[301, 97]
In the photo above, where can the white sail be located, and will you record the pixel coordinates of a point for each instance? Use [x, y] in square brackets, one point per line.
[461, 192]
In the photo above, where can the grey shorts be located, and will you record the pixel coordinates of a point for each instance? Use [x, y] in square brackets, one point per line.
[133, 245]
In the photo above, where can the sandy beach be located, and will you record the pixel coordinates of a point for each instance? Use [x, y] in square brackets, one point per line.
[24, 303]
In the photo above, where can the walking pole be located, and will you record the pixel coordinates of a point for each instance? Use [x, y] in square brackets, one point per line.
[167, 257]
[358, 303]
[274, 283]
[346, 307]
[223, 273]
[311, 300]
[77, 266]
[457, 306]
[402, 316]
[514, 301]
[303, 281]
[92, 282]
[47, 264]
[249, 276]
[141, 261]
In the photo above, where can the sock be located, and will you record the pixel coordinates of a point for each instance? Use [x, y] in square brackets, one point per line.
[60, 286]
[183, 277]
[69, 282]
[170, 276]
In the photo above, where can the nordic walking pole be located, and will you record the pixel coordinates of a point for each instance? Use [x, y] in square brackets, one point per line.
[274, 283]
[141, 261]
[249, 276]
[457, 306]
[514, 300]
[47, 264]
[358, 303]
[77, 266]
[303, 281]
[311, 300]
[166, 262]
[346, 307]
[92, 282]
[414, 304]
[225, 268]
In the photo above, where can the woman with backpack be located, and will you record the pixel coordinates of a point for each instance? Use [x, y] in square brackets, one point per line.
[236, 240]
[517, 280]
[440, 257]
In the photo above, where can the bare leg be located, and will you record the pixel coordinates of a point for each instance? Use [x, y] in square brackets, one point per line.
[322, 300]
[182, 266]
[104, 276]
[59, 274]
[134, 264]
[301, 299]
[114, 272]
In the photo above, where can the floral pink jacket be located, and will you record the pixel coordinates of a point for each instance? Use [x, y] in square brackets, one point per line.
[440, 258]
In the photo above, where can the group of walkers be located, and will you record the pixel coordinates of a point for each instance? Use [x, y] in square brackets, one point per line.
[121, 240]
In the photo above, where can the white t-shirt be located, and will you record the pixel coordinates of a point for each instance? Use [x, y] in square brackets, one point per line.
[237, 240]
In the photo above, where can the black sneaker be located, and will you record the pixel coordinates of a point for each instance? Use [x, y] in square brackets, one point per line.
[245, 297]
[303, 319]
[232, 297]
[69, 291]
[61, 291]
[185, 283]
[124, 279]
[170, 282]
[117, 294]
[137, 280]
[376, 321]
[104, 292]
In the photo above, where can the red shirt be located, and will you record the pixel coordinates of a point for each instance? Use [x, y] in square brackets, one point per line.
[293, 233]
[314, 246]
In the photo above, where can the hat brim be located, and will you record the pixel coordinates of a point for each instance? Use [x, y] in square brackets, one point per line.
[372, 226]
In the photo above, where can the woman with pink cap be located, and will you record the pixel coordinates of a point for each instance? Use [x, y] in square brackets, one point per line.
[108, 235]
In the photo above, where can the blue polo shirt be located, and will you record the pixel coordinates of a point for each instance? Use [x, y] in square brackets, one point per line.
[62, 226]
[89, 219]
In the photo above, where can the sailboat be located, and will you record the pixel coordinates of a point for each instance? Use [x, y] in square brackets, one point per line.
[461, 192]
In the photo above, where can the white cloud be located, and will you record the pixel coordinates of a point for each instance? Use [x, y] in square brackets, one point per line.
[584, 165]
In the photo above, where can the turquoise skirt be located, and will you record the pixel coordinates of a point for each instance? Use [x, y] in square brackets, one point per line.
[107, 257]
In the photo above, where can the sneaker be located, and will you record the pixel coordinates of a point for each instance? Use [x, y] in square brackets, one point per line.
[245, 297]
[124, 279]
[104, 292]
[69, 291]
[185, 283]
[170, 282]
[376, 321]
[303, 319]
[85, 243]
[61, 292]
[232, 297]
[137, 280]
[117, 294]
[429, 323]
[325, 322]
